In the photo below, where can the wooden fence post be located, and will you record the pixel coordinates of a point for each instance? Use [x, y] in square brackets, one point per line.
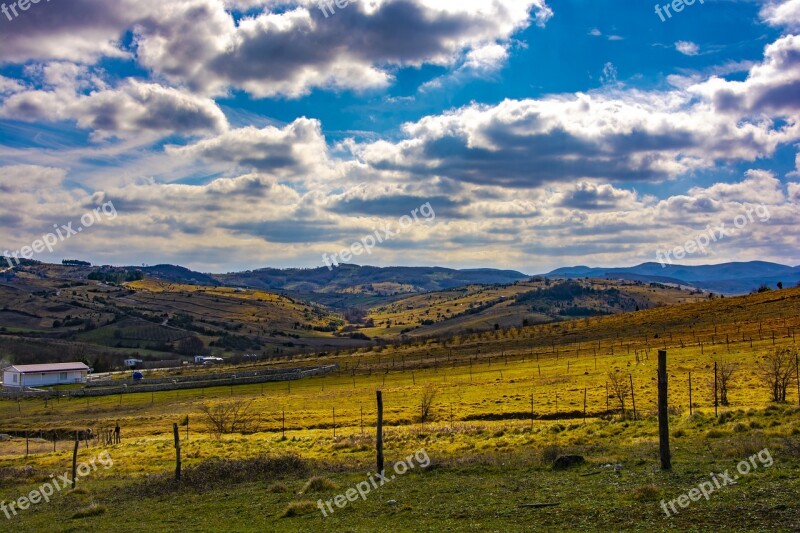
[797, 375]
[379, 436]
[177, 438]
[690, 393]
[75, 461]
[663, 412]
[716, 399]
[633, 398]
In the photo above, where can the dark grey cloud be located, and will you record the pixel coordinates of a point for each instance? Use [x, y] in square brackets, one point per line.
[397, 206]
[291, 231]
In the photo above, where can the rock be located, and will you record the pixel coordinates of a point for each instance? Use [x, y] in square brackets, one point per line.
[566, 461]
[392, 502]
[4, 437]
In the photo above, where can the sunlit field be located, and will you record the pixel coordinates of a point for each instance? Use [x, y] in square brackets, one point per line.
[503, 401]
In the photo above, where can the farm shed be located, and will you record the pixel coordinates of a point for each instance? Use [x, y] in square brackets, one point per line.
[43, 375]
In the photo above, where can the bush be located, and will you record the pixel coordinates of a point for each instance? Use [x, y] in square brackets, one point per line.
[318, 484]
[299, 508]
[278, 487]
[647, 493]
[550, 453]
[92, 510]
[218, 472]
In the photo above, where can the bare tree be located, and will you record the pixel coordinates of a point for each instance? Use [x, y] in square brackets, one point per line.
[620, 387]
[229, 417]
[777, 372]
[428, 396]
[725, 373]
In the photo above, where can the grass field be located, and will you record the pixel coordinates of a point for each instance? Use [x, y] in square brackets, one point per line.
[489, 454]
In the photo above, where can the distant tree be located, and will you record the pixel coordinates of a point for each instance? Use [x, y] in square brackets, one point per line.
[429, 393]
[190, 346]
[780, 285]
[102, 364]
[231, 417]
[764, 288]
[777, 370]
[620, 387]
[725, 373]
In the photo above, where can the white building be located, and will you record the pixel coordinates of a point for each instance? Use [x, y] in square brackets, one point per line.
[203, 360]
[133, 363]
[44, 375]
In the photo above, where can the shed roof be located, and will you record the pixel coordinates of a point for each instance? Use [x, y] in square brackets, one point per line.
[44, 369]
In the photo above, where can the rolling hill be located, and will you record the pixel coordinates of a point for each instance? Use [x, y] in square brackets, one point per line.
[724, 278]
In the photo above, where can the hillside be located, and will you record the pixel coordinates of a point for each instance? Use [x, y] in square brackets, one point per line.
[366, 279]
[53, 313]
[725, 278]
[477, 308]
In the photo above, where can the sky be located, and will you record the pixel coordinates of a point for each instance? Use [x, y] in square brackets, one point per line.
[227, 135]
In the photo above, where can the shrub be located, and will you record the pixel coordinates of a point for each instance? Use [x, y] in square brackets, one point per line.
[216, 472]
[299, 508]
[92, 510]
[647, 493]
[550, 453]
[278, 487]
[318, 484]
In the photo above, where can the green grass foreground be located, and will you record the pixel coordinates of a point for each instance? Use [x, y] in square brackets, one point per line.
[461, 491]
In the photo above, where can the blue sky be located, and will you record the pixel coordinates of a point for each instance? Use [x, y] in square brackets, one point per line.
[240, 134]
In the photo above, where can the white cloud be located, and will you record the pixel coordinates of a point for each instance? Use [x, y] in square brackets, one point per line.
[10, 86]
[298, 150]
[782, 13]
[760, 186]
[132, 109]
[687, 48]
[479, 63]
[279, 48]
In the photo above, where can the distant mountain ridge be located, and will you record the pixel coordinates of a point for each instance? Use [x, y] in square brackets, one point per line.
[415, 279]
[726, 278]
